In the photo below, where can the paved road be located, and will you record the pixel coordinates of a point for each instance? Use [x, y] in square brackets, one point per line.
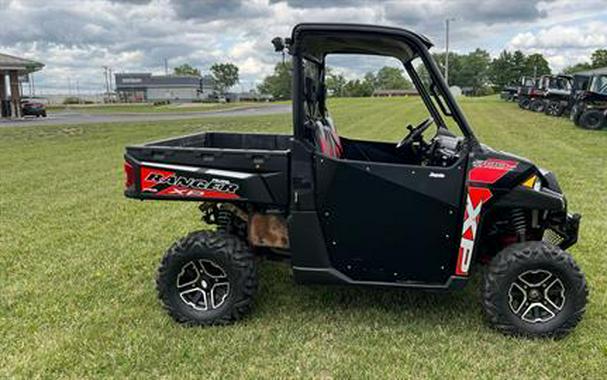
[75, 117]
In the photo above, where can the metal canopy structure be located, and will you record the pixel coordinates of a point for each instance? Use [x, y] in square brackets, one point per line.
[13, 67]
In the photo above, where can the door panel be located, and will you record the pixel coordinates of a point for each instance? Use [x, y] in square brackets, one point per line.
[387, 222]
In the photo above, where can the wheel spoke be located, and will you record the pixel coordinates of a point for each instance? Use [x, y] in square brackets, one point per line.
[188, 277]
[554, 294]
[219, 293]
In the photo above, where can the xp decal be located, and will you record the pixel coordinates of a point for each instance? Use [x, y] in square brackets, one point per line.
[169, 183]
[474, 202]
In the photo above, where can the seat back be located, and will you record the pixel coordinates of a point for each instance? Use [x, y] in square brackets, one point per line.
[326, 138]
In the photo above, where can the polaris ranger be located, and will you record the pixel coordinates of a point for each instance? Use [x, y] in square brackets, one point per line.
[510, 92]
[419, 213]
[558, 89]
[525, 92]
[562, 105]
[589, 109]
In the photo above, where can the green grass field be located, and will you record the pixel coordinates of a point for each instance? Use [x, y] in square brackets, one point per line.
[150, 108]
[78, 260]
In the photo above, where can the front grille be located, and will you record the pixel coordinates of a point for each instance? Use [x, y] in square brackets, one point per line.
[553, 237]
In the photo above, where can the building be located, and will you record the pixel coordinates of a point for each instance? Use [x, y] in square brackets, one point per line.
[145, 87]
[11, 68]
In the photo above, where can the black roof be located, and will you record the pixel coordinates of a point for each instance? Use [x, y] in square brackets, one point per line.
[319, 39]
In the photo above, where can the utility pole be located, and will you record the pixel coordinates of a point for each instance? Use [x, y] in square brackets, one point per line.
[107, 85]
[166, 66]
[111, 87]
[447, 49]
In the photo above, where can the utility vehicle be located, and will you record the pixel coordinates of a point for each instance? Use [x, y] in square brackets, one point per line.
[510, 92]
[557, 90]
[420, 213]
[589, 108]
[526, 92]
[562, 105]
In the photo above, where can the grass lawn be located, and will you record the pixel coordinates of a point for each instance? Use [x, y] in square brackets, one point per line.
[150, 108]
[78, 260]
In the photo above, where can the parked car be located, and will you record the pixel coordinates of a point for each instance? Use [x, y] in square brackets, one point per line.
[589, 110]
[32, 108]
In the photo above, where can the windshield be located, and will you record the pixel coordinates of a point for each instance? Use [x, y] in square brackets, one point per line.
[599, 84]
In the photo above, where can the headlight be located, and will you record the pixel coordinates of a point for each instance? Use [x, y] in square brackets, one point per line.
[533, 182]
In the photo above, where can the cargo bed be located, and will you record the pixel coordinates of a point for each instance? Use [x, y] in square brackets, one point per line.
[211, 166]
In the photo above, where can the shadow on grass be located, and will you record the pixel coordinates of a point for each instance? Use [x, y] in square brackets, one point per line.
[279, 294]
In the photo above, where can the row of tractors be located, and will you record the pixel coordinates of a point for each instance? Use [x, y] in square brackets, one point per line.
[582, 97]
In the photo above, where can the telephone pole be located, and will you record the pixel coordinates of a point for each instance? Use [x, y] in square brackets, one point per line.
[107, 85]
[447, 49]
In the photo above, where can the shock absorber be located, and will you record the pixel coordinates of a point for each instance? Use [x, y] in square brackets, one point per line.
[518, 222]
[224, 220]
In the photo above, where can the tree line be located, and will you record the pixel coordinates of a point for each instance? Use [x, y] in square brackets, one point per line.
[225, 75]
[476, 71]
[278, 84]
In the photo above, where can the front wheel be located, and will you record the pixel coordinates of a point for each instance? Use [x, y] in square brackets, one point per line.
[593, 119]
[554, 108]
[534, 289]
[207, 278]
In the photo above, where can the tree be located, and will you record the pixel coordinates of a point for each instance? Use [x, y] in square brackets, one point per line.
[502, 70]
[358, 88]
[335, 83]
[279, 83]
[473, 71]
[536, 65]
[391, 78]
[582, 66]
[518, 64]
[599, 58]
[225, 76]
[186, 69]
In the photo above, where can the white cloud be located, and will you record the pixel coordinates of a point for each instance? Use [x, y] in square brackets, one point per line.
[563, 45]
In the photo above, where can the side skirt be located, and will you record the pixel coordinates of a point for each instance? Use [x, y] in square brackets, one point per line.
[331, 276]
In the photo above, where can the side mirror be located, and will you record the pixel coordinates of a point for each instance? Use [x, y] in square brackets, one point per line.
[279, 44]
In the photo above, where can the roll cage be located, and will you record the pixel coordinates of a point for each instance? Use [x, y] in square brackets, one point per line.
[312, 42]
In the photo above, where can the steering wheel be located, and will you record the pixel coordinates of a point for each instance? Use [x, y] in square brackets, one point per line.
[415, 133]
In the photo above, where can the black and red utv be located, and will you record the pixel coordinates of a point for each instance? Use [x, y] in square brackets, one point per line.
[558, 90]
[527, 91]
[589, 109]
[419, 213]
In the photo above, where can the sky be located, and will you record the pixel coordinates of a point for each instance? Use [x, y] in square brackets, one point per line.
[75, 39]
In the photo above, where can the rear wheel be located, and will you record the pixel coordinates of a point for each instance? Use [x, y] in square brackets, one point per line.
[534, 289]
[524, 103]
[537, 105]
[207, 278]
[592, 119]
